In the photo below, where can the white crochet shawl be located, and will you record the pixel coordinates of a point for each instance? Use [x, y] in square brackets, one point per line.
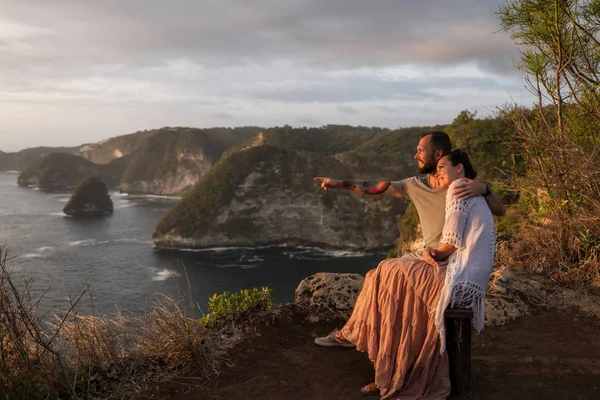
[468, 226]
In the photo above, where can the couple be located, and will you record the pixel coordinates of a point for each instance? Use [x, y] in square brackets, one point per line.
[398, 318]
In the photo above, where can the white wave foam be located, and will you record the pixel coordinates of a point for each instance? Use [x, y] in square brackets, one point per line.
[151, 196]
[31, 255]
[218, 249]
[57, 214]
[126, 240]
[315, 253]
[334, 253]
[251, 259]
[45, 248]
[233, 265]
[164, 274]
[85, 242]
[292, 254]
[132, 240]
[13, 172]
[127, 205]
[63, 200]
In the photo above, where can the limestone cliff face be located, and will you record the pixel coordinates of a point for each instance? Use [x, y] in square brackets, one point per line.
[113, 148]
[172, 160]
[184, 173]
[266, 195]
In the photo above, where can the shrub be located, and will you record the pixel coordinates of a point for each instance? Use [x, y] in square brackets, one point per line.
[559, 138]
[230, 307]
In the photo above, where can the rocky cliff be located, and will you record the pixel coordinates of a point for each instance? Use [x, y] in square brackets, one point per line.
[61, 171]
[21, 160]
[173, 159]
[90, 198]
[266, 195]
[102, 152]
[113, 148]
[262, 192]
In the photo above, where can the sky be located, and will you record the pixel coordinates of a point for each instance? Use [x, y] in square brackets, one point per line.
[79, 71]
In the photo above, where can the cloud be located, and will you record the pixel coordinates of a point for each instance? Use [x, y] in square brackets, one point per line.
[223, 116]
[128, 65]
[346, 110]
[326, 34]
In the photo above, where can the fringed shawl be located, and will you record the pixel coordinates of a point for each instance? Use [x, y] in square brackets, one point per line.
[468, 226]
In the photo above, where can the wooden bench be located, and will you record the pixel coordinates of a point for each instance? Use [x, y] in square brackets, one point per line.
[458, 346]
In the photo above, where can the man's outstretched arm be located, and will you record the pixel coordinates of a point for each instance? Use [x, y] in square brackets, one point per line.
[358, 186]
[464, 191]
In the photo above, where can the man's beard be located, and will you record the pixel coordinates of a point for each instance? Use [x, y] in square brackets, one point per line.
[427, 168]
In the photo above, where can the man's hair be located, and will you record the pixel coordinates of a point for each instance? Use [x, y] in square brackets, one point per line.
[439, 141]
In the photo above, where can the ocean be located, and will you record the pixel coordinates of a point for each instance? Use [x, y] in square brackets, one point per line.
[113, 257]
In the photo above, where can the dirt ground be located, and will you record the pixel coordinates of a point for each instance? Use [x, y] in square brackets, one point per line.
[549, 355]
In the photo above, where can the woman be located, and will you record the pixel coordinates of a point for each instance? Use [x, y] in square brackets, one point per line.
[398, 317]
[468, 241]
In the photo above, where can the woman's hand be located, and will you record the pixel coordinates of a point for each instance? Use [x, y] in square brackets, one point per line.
[428, 256]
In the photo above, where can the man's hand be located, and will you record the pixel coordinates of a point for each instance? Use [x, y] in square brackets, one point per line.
[428, 256]
[465, 191]
[328, 183]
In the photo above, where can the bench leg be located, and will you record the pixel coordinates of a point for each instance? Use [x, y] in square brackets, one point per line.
[458, 346]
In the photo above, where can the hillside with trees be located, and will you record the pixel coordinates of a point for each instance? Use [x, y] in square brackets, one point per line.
[20, 160]
[266, 195]
[90, 198]
[62, 171]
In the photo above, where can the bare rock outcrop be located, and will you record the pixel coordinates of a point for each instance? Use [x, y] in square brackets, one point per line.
[328, 296]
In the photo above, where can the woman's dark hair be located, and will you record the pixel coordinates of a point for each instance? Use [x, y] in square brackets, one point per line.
[458, 156]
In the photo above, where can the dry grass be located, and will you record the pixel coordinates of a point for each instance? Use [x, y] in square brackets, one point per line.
[554, 251]
[78, 356]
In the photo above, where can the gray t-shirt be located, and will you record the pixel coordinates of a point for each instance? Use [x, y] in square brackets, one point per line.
[430, 203]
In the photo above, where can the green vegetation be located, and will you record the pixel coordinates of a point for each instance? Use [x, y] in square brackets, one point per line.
[399, 141]
[486, 141]
[228, 307]
[59, 171]
[21, 160]
[90, 198]
[327, 140]
[558, 139]
[194, 214]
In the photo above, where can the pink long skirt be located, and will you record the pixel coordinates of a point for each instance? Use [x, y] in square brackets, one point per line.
[394, 323]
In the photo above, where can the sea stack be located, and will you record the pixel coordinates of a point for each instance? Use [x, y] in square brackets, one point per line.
[89, 198]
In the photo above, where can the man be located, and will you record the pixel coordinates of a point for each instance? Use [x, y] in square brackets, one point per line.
[422, 189]
[377, 325]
